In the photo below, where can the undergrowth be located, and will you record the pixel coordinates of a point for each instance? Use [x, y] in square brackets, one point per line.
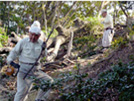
[114, 84]
[3, 37]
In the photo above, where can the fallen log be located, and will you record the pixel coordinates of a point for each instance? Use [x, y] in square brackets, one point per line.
[64, 35]
[16, 36]
[5, 50]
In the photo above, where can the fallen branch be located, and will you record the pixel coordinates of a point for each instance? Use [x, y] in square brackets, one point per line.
[5, 50]
[70, 45]
[55, 65]
[49, 63]
[16, 36]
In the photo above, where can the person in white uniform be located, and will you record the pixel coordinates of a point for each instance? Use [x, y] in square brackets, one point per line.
[28, 50]
[108, 29]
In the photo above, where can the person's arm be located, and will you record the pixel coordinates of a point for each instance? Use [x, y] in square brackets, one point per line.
[15, 52]
[44, 52]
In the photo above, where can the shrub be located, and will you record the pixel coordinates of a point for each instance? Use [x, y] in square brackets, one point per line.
[3, 37]
[114, 84]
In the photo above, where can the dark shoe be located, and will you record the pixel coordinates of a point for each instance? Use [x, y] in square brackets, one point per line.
[39, 100]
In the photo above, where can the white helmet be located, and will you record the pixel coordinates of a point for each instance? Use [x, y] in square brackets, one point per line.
[104, 11]
[35, 27]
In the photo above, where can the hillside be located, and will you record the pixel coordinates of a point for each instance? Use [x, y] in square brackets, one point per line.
[81, 69]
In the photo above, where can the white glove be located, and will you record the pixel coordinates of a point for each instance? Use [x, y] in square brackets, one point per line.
[102, 22]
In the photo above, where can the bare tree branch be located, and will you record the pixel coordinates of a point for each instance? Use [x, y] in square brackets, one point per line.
[67, 21]
[100, 9]
[106, 3]
[89, 11]
[103, 4]
[44, 16]
[54, 8]
[71, 8]
[54, 14]
[123, 10]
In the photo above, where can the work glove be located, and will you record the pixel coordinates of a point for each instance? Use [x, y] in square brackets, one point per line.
[15, 65]
[43, 45]
[102, 22]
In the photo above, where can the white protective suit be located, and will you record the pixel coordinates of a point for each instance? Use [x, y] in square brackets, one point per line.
[108, 33]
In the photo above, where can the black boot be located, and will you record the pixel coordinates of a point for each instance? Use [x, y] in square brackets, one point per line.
[39, 100]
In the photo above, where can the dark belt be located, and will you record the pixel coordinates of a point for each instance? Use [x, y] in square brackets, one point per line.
[109, 28]
[29, 63]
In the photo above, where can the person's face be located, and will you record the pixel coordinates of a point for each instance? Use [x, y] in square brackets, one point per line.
[34, 37]
[104, 14]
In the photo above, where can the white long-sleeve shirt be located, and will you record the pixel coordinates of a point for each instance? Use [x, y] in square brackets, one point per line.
[108, 21]
[27, 51]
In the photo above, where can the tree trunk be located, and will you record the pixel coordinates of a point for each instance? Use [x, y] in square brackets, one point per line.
[34, 12]
[45, 20]
[100, 9]
[54, 14]
[8, 14]
[114, 16]
[123, 10]
[70, 45]
[47, 7]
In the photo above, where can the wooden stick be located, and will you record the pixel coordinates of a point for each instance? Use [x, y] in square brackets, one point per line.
[70, 45]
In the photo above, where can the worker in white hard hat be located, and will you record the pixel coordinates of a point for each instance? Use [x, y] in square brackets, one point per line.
[28, 50]
[108, 29]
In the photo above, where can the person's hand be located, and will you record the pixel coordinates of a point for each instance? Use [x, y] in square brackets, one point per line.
[15, 65]
[102, 22]
[43, 45]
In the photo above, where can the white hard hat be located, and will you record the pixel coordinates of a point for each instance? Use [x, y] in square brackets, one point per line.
[35, 27]
[36, 24]
[104, 11]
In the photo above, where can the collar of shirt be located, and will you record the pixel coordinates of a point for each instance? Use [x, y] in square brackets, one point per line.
[38, 41]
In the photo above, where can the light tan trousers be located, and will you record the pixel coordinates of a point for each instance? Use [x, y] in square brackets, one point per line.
[107, 38]
[24, 86]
